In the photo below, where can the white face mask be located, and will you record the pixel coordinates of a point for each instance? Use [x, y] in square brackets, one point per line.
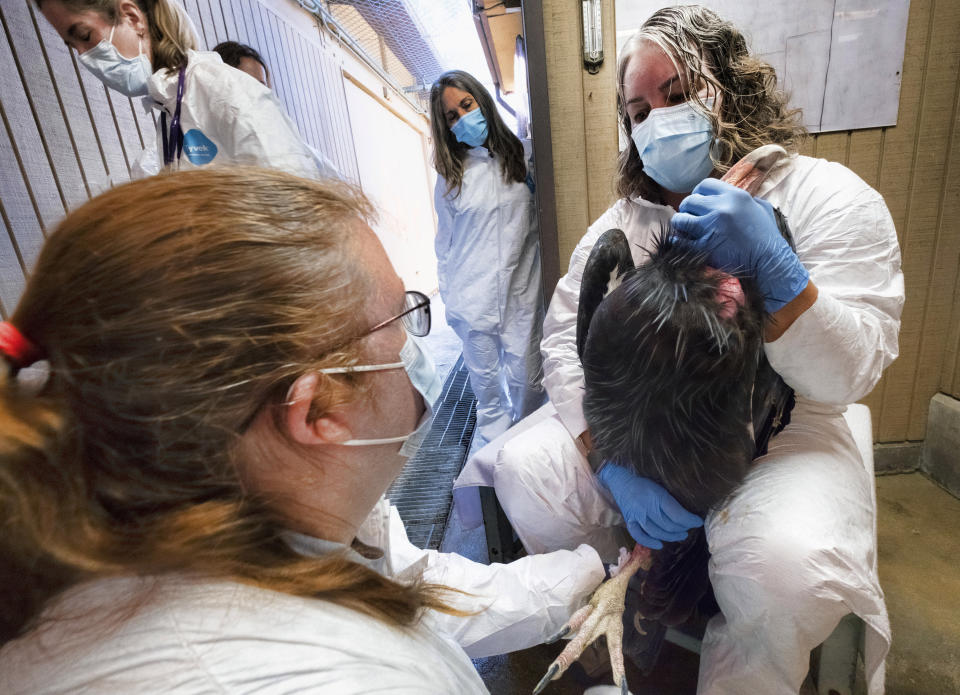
[423, 375]
[126, 75]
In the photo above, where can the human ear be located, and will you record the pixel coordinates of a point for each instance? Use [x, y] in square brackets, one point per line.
[329, 429]
[129, 11]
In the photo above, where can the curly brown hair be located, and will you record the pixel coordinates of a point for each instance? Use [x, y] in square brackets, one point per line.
[709, 50]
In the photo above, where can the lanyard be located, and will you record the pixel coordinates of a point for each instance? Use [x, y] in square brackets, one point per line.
[173, 146]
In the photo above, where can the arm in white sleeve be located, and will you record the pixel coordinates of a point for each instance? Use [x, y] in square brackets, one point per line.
[836, 351]
[514, 606]
[518, 604]
[444, 227]
[562, 371]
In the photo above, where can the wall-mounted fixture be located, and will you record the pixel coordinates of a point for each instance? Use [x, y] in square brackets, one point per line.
[520, 90]
[591, 22]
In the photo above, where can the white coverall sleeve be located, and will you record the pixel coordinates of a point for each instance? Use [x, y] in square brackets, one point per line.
[518, 605]
[836, 351]
[562, 372]
[444, 226]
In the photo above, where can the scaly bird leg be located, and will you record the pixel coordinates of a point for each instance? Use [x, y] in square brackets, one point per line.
[603, 615]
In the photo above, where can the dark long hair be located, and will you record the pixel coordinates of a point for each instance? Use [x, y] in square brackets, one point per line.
[448, 153]
[712, 51]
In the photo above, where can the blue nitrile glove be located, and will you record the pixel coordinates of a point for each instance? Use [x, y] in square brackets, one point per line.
[740, 234]
[651, 513]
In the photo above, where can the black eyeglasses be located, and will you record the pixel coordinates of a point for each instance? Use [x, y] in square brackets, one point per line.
[415, 315]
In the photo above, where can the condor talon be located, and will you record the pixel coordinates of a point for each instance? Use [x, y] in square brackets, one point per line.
[564, 631]
[549, 676]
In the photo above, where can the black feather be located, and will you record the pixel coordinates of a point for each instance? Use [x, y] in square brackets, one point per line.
[683, 396]
[668, 381]
[610, 259]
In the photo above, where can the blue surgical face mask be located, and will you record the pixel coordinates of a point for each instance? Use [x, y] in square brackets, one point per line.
[126, 75]
[423, 375]
[674, 144]
[471, 129]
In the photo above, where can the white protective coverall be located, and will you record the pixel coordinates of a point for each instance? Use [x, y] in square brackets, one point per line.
[193, 636]
[227, 118]
[488, 254]
[792, 550]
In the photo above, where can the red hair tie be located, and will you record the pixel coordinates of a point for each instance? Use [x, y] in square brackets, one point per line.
[16, 347]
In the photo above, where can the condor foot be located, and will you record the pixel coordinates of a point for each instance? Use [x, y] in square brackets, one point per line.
[603, 615]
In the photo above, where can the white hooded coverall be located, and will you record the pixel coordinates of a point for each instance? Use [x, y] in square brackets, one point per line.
[227, 118]
[488, 263]
[196, 636]
[793, 549]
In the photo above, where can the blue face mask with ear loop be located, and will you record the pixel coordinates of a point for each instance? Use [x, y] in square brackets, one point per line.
[674, 145]
[423, 375]
[126, 75]
[471, 129]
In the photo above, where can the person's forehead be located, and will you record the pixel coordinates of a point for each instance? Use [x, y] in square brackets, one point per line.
[62, 19]
[251, 63]
[648, 65]
[373, 259]
[452, 96]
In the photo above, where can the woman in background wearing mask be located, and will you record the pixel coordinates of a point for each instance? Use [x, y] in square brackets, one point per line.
[488, 250]
[792, 550]
[193, 500]
[210, 114]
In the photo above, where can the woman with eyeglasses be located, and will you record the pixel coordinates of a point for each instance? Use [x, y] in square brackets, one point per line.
[208, 114]
[488, 251]
[191, 489]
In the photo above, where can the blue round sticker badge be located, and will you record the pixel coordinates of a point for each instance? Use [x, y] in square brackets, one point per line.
[198, 147]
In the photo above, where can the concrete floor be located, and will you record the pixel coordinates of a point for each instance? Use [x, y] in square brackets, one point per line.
[919, 547]
[918, 529]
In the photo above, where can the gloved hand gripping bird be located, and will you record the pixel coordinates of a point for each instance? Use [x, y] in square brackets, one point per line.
[678, 393]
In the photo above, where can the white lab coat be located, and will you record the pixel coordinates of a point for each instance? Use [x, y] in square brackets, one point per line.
[792, 550]
[488, 263]
[177, 634]
[227, 118]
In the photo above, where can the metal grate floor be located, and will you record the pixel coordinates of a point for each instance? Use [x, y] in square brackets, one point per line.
[423, 493]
